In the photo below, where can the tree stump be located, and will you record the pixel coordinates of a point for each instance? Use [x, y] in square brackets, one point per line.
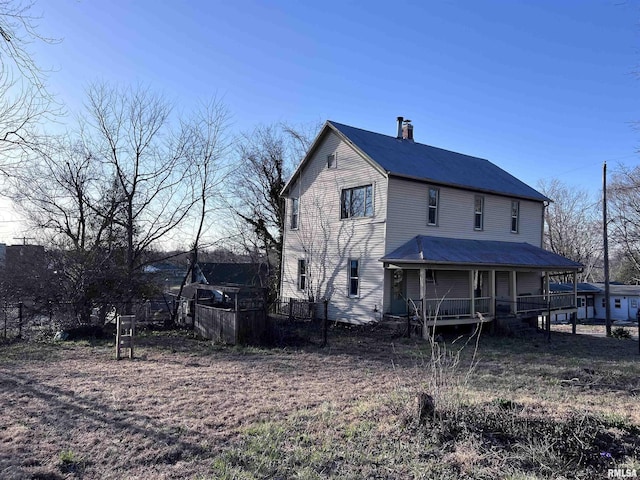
[426, 407]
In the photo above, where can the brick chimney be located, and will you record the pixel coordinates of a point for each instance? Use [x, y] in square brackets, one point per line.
[407, 130]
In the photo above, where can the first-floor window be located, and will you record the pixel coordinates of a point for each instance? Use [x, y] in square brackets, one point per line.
[354, 277]
[616, 303]
[604, 303]
[302, 274]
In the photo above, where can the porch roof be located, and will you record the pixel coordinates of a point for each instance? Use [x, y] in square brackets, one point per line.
[444, 251]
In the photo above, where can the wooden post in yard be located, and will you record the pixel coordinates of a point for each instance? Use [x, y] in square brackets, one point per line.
[125, 332]
[574, 316]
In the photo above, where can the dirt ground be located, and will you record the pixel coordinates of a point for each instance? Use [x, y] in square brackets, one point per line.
[69, 410]
[73, 407]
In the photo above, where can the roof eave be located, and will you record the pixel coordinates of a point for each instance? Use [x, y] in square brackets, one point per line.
[555, 268]
[542, 198]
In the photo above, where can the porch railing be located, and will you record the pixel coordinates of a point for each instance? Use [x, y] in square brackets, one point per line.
[461, 307]
[452, 307]
[535, 303]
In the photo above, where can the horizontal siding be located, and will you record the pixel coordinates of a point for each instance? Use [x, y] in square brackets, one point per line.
[327, 243]
[407, 215]
[529, 283]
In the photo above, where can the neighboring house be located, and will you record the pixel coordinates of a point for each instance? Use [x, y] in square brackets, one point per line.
[623, 299]
[380, 225]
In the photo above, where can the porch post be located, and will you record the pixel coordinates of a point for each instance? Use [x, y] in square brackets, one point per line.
[492, 293]
[423, 297]
[514, 291]
[472, 293]
[575, 289]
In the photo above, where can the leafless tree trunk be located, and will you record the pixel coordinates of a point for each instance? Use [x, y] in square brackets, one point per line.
[207, 146]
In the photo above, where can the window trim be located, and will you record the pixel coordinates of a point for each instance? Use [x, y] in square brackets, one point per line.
[302, 274]
[295, 214]
[351, 278]
[368, 200]
[435, 208]
[478, 215]
[515, 218]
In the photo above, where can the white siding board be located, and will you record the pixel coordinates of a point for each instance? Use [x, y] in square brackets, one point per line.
[407, 215]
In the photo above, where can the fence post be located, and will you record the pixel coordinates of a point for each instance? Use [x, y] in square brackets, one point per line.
[290, 308]
[5, 319]
[325, 321]
[20, 308]
[574, 319]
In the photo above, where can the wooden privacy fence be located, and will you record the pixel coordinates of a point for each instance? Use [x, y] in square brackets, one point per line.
[246, 326]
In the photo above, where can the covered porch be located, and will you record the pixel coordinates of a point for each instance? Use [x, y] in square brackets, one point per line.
[447, 281]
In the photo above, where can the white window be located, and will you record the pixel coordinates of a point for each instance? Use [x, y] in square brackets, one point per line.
[332, 160]
[478, 222]
[302, 274]
[354, 277]
[515, 216]
[295, 209]
[432, 215]
[356, 202]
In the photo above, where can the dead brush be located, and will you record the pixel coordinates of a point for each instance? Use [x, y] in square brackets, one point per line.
[446, 374]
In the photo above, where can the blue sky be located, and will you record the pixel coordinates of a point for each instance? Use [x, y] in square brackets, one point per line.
[544, 89]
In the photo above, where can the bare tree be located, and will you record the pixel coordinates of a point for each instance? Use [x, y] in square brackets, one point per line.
[624, 208]
[63, 196]
[572, 226]
[129, 131]
[267, 157]
[207, 145]
[24, 100]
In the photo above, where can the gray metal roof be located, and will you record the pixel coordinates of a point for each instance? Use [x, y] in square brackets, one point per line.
[410, 159]
[582, 287]
[444, 251]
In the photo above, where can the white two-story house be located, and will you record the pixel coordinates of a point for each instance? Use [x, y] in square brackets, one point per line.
[382, 225]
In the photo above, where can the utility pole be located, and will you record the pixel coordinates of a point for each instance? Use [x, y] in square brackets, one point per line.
[607, 294]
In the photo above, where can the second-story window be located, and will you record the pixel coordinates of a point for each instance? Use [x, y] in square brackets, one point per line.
[515, 216]
[478, 222]
[295, 211]
[434, 200]
[356, 202]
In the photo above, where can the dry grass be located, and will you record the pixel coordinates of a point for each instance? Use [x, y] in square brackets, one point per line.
[187, 409]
